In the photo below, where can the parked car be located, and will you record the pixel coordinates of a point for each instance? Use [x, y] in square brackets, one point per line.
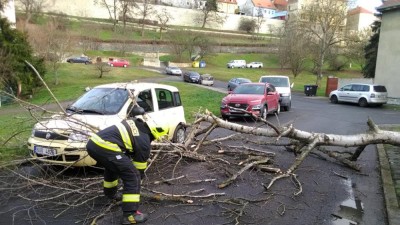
[173, 70]
[234, 82]
[283, 86]
[362, 94]
[255, 65]
[191, 77]
[80, 59]
[61, 140]
[258, 99]
[206, 79]
[238, 63]
[118, 63]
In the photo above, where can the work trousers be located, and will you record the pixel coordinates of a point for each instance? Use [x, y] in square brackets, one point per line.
[118, 165]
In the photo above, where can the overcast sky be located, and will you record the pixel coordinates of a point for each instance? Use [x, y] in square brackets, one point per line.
[369, 4]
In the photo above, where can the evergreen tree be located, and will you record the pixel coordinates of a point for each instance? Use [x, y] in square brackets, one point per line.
[14, 50]
[371, 51]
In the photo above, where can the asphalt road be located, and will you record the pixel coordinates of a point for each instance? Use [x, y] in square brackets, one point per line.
[326, 199]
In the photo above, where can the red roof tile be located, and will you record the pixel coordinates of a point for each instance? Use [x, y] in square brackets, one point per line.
[281, 2]
[264, 4]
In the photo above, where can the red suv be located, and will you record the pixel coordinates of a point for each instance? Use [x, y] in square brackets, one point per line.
[248, 99]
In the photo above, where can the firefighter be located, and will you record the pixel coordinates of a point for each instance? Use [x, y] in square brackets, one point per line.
[123, 150]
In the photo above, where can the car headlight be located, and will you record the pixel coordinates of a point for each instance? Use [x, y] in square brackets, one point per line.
[78, 137]
[256, 107]
[223, 105]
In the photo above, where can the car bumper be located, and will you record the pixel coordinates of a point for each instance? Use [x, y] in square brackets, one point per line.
[378, 101]
[207, 82]
[60, 152]
[285, 101]
[229, 112]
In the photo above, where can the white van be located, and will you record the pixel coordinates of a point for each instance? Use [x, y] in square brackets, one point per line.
[62, 139]
[239, 63]
[283, 86]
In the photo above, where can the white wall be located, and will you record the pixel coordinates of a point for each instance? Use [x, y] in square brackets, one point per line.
[9, 12]
[388, 61]
[181, 16]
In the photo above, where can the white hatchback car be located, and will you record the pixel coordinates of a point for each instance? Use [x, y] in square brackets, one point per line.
[62, 139]
[255, 65]
[362, 94]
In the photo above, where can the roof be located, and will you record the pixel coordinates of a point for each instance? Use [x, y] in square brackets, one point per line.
[138, 86]
[281, 2]
[264, 4]
[227, 1]
[359, 10]
[389, 5]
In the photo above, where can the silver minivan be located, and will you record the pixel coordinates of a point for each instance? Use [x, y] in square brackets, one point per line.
[283, 86]
[362, 94]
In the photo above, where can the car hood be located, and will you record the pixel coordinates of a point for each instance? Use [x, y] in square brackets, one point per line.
[77, 122]
[242, 98]
[283, 90]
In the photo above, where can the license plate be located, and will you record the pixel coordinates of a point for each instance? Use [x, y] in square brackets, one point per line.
[44, 151]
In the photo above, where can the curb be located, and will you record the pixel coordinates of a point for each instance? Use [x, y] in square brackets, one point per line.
[392, 205]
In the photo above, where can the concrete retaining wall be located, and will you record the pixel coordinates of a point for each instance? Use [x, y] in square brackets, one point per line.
[180, 16]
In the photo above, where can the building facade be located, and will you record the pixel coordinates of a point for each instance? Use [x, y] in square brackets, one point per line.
[388, 60]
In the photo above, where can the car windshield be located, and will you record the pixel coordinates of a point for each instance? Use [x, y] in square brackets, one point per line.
[380, 88]
[194, 75]
[243, 80]
[249, 89]
[104, 101]
[276, 81]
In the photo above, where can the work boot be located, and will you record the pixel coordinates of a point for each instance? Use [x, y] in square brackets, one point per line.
[134, 218]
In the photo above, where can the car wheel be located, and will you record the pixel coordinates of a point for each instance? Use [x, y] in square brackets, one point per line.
[124, 66]
[264, 112]
[334, 99]
[251, 66]
[179, 134]
[363, 102]
[278, 110]
[287, 108]
[112, 65]
[86, 63]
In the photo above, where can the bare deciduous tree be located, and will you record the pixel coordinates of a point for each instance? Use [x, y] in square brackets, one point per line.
[30, 8]
[355, 46]
[293, 48]
[112, 10]
[145, 10]
[127, 7]
[163, 18]
[102, 68]
[324, 21]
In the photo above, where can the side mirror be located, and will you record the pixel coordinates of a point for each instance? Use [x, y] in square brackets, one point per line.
[136, 111]
[291, 86]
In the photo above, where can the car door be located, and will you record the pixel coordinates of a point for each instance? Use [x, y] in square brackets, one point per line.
[344, 93]
[355, 93]
[168, 109]
[271, 97]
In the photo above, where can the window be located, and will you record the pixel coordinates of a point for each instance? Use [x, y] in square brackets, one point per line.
[164, 98]
[346, 88]
[145, 100]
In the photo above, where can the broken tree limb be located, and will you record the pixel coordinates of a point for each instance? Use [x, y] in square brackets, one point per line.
[233, 178]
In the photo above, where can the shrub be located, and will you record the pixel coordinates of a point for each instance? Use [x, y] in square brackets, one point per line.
[247, 25]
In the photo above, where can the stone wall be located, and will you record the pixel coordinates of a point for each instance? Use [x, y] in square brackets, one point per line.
[180, 16]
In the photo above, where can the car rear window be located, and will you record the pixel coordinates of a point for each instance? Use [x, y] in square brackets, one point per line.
[380, 88]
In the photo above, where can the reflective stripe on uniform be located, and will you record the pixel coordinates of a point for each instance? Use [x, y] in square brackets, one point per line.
[112, 184]
[125, 136]
[140, 165]
[131, 198]
[105, 144]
